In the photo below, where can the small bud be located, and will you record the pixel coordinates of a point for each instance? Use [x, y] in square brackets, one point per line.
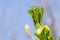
[27, 29]
[39, 30]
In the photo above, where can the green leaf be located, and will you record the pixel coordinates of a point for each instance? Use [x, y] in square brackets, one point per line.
[36, 13]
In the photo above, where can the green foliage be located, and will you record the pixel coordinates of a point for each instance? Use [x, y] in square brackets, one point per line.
[58, 38]
[37, 15]
[42, 32]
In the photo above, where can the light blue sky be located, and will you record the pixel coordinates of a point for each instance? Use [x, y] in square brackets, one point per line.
[14, 15]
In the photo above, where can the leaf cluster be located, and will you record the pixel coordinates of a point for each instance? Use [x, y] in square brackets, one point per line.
[44, 33]
[36, 13]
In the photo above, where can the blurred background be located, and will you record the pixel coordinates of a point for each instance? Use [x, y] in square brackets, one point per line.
[14, 16]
